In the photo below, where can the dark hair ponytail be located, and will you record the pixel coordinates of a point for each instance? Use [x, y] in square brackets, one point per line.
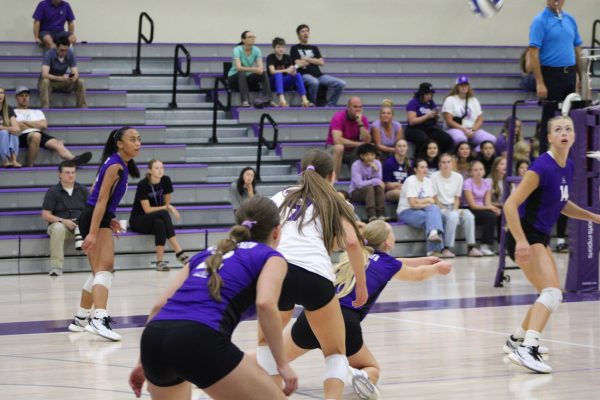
[256, 219]
[111, 147]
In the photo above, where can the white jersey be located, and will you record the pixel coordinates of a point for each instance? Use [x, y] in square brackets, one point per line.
[305, 248]
[28, 115]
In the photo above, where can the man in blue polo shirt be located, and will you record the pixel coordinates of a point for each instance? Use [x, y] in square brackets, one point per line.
[554, 47]
[49, 22]
[59, 72]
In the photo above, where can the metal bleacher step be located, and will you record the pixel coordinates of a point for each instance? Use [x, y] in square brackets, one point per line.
[95, 116]
[12, 80]
[90, 135]
[194, 116]
[149, 82]
[201, 135]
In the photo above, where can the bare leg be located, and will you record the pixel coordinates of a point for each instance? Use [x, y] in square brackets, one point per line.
[175, 244]
[87, 301]
[33, 147]
[59, 147]
[183, 391]
[102, 257]
[365, 360]
[160, 252]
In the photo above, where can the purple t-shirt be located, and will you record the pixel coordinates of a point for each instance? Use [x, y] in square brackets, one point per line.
[543, 206]
[349, 128]
[394, 172]
[120, 187]
[380, 269]
[478, 191]
[385, 139]
[53, 17]
[421, 109]
[240, 271]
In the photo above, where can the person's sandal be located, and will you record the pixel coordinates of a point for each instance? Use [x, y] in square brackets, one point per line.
[307, 104]
[182, 257]
[162, 266]
[283, 104]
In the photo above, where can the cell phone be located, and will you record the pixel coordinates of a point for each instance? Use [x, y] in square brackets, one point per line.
[71, 75]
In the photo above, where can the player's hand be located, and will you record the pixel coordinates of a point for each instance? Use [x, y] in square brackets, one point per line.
[115, 226]
[362, 294]
[522, 252]
[290, 379]
[541, 90]
[88, 242]
[137, 379]
[443, 267]
[431, 260]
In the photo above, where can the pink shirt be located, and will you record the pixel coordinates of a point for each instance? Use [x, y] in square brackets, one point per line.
[349, 128]
[478, 191]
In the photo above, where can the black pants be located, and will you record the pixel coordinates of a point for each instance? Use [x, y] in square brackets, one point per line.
[419, 135]
[487, 219]
[560, 82]
[253, 82]
[157, 223]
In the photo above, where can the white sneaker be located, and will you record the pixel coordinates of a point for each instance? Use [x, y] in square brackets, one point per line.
[55, 272]
[78, 324]
[486, 250]
[363, 387]
[530, 358]
[512, 344]
[433, 236]
[101, 327]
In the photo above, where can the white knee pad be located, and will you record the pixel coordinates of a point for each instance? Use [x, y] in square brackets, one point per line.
[265, 359]
[336, 367]
[550, 298]
[103, 278]
[87, 286]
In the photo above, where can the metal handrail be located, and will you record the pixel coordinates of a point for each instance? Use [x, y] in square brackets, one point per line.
[178, 72]
[141, 36]
[595, 42]
[217, 105]
[262, 141]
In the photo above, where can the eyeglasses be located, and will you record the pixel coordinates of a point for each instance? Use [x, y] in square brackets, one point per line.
[250, 37]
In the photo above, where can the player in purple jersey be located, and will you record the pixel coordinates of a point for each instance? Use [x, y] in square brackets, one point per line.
[188, 336]
[531, 211]
[97, 224]
[381, 267]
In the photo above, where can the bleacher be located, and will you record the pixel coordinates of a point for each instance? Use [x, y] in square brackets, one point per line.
[200, 170]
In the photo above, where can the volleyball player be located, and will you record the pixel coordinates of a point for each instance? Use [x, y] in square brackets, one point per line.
[97, 224]
[188, 338]
[380, 269]
[531, 211]
[315, 221]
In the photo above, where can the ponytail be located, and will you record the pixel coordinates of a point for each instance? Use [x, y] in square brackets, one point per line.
[111, 147]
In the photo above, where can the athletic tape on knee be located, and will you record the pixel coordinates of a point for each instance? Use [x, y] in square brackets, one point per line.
[336, 367]
[87, 286]
[265, 359]
[550, 298]
[103, 278]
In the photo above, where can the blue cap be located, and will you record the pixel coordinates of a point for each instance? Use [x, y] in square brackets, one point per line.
[461, 80]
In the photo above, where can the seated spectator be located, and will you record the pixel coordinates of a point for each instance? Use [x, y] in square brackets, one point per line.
[283, 74]
[9, 134]
[366, 184]
[417, 208]
[447, 189]
[497, 178]
[150, 213]
[386, 131]
[423, 121]
[463, 159]
[60, 73]
[308, 58]
[62, 207]
[32, 124]
[478, 196]
[395, 171]
[346, 196]
[534, 144]
[242, 189]
[463, 115]
[522, 151]
[487, 155]
[348, 129]
[502, 139]
[49, 20]
[431, 154]
[521, 166]
[247, 69]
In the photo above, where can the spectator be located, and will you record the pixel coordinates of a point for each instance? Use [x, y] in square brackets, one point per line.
[386, 131]
[487, 155]
[431, 154]
[521, 166]
[242, 189]
[501, 144]
[308, 58]
[423, 121]
[348, 129]
[497, 179]
[49, 23]
[478, 196]
[522, 151]
[150, 213]
[32, 124]
[417, 208]
[395, 171]
[60, 73]
[463, 115]
[62, 207]
[554, 51]
[247, 69]
[9, 134]
[447, 189]
[367, 184]
[464, 157]
[283, 74]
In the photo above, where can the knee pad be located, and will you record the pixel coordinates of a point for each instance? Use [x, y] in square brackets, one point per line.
[103, 278]
[89, 283]
[336, 367]
[550, 298]
[265, 359]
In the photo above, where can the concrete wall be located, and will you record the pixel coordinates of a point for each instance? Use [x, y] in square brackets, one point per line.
[331, 21]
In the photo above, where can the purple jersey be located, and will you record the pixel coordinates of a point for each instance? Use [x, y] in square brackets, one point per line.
[119, 189]
[543, 206]
[380, 269]
[240, 271]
